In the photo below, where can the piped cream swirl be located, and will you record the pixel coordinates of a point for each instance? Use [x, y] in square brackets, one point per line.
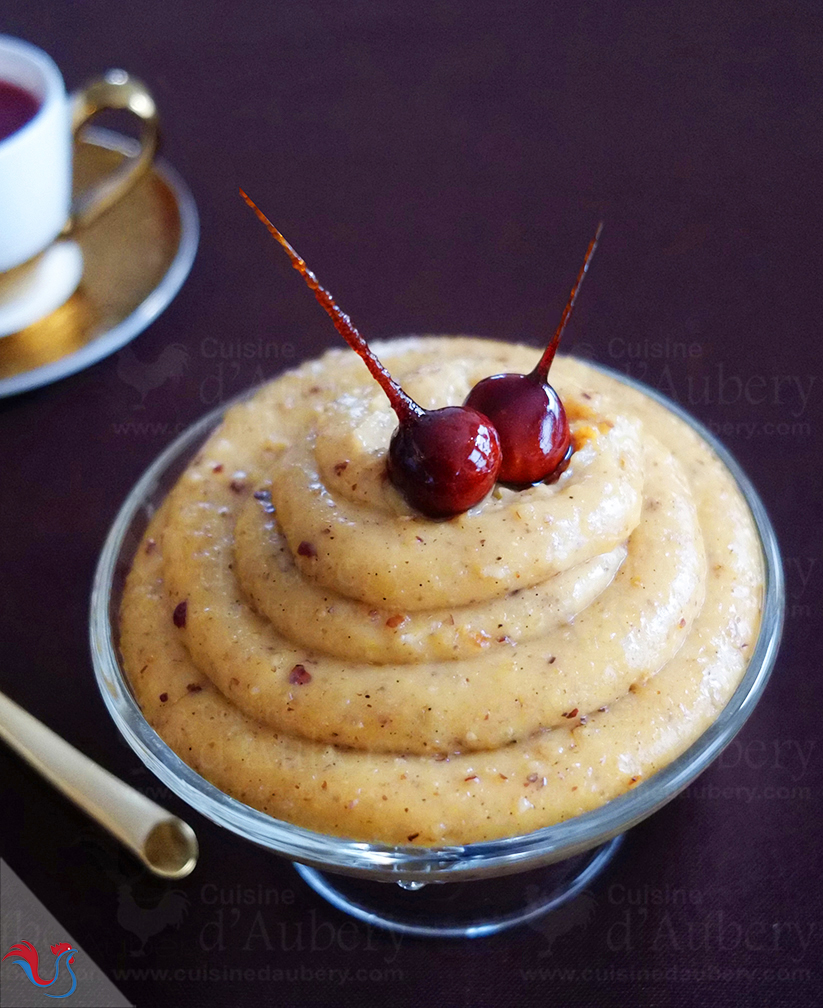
[332, 625]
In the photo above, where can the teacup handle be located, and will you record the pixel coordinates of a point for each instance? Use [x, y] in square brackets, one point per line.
[114, 90]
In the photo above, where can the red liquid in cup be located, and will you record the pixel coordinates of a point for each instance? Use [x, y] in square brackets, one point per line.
[17, 107]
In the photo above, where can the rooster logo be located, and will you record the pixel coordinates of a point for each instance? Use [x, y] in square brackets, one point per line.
[577, 913]
[29, 963]
[143, 922]
[147, 375]
[147, 915]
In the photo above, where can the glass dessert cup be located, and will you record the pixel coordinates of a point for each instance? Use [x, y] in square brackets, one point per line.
[508, 881]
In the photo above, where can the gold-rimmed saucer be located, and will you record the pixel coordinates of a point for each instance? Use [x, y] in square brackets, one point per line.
[135, 258]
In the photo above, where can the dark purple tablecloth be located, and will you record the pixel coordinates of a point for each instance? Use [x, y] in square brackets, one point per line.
[442, 167]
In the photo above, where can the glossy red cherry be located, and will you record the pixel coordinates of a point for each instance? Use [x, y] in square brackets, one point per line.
[527, 412]
[443, 461]
[531, 424]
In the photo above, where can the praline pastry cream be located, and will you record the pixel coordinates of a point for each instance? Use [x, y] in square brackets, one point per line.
[308, 643]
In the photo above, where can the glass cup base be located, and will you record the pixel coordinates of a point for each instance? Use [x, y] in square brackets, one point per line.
[461, 909]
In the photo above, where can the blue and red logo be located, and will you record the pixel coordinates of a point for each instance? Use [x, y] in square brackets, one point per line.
[28, 961]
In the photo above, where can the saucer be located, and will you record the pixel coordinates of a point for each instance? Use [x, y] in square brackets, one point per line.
[134, 260]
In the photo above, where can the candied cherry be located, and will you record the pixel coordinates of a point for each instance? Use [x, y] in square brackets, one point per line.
[527, 412]
[443, 461]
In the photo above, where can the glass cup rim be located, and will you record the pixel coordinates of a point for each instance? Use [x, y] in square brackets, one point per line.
[451, 862]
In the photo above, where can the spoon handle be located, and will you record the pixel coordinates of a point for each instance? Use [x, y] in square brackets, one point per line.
[165, 844]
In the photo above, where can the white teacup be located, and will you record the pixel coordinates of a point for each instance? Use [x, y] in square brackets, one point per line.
[38, 272]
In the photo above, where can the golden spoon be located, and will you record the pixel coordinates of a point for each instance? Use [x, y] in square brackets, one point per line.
[165, 844]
